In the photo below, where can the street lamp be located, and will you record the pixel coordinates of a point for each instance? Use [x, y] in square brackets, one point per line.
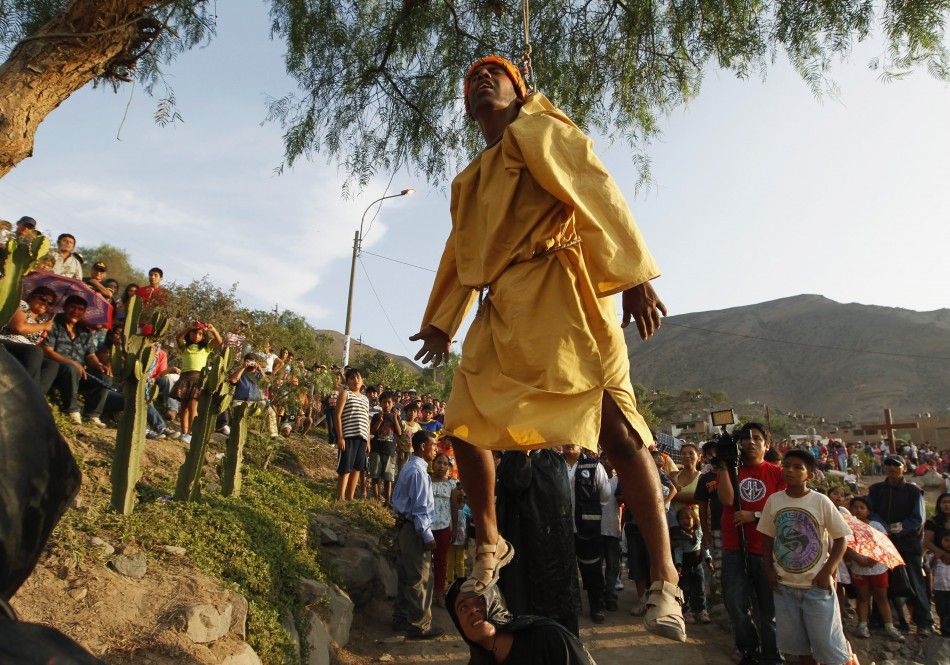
[357, 245]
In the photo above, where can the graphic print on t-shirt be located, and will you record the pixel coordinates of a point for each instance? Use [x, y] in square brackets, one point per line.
[751, 490]
[797, 541]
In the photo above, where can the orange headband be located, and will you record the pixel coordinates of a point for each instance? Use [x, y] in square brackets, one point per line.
[510, 69]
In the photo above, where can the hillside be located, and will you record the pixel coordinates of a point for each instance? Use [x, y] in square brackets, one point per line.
[833, 382]
[336, 351]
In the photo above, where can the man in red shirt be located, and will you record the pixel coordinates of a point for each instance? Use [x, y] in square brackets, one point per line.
[153, 294]
[746, 593]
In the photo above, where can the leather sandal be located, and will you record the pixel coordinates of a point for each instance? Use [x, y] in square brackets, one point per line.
[489, 560]
[664, 615]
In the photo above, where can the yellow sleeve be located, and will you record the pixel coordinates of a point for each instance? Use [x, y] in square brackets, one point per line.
[561, 159]
[449, 300]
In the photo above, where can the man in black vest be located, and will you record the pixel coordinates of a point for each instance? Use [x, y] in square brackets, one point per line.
[901, 505]
[590, 490]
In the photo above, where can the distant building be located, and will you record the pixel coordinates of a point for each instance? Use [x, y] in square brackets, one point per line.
[935, 430]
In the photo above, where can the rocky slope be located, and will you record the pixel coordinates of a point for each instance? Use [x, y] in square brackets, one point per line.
[824, 371]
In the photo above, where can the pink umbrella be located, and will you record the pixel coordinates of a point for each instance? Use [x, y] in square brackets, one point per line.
[868, 541]
[99, 310]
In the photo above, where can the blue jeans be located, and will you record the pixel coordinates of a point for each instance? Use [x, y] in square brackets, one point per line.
[809, 624]
[751, 608]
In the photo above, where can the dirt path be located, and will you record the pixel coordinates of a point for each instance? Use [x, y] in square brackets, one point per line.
[619, 640]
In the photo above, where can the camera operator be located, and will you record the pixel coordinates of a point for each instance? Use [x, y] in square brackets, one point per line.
[746, 591]
[246, 379]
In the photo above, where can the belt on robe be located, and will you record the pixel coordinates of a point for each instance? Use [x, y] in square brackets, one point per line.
[484, 291]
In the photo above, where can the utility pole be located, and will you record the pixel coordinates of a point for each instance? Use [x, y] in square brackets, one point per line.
[357, 243]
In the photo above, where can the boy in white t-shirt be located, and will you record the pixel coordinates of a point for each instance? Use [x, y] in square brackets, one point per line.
[796, 525]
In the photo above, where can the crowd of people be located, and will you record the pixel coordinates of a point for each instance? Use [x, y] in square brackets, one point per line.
[391, 448]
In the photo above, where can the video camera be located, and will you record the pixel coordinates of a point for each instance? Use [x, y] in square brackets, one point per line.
[727, 445]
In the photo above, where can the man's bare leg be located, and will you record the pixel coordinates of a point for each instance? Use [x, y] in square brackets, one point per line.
[342, 482]
[641, 486]
[477, 472]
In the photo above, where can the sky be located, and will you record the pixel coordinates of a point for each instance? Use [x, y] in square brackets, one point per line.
[760, 191]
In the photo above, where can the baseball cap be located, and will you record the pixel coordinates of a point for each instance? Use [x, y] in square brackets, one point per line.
[27, 221]
[895, 460]
[99, 266]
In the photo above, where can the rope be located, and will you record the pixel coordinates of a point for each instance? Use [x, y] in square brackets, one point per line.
[526, 65]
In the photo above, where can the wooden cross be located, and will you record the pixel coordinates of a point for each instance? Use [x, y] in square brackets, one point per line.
[889, 426]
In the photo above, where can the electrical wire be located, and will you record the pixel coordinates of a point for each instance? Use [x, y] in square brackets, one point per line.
[405, 263]
[379, 301]
[667, 322]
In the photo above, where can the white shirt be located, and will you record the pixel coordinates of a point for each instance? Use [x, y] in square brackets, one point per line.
[269, 359]
[68, 267]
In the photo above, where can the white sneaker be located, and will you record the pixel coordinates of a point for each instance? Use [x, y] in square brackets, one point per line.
[185, 438]
[151, 435]
[703, 617]
[75, 418]
[618, 586]
[95, 422]
[862, 630]
[892, 632]
[225, 429]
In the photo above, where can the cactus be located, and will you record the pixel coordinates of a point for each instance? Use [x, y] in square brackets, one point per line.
[129, 364]
[18, 256]
[234, 452]
[216, 395]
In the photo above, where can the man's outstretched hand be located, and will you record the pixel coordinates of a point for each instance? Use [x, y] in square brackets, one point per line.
[435, 346]
[641, 304]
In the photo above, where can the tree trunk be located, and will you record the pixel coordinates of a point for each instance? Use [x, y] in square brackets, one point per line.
[47, 67]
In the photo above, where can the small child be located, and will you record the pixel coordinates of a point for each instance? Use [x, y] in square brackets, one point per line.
[870, 579]
[442, 486]
[409, 427]
[385, 428]
[688, 556]
[840, 495]
[941, 577]
[455, 565]
[796, 524]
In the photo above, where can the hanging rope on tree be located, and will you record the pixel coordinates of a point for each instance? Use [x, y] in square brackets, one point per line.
[526, 66]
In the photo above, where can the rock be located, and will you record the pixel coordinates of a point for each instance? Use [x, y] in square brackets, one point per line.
[238, 614]
[174, 550]
[386, 576]
[387, 658]
[319, 640]
[290, 627]
[204, 623]
[892, 646]
[245, 655]
[130, 565]
[936, 650]
[338, 615]
[364, 540]
[393, 639]
[78, 593]
[102, 547]
[355, 567]
[329, 537]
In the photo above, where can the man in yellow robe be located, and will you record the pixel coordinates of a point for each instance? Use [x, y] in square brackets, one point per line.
[543, 238]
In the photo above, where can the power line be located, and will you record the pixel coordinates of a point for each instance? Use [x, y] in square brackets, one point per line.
[667, 322]
[405, 263]
[379, 301]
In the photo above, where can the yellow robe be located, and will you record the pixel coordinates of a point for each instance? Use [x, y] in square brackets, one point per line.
[547, 342]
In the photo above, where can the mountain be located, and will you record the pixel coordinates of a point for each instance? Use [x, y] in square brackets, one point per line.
[822, 368]
[357, 347]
